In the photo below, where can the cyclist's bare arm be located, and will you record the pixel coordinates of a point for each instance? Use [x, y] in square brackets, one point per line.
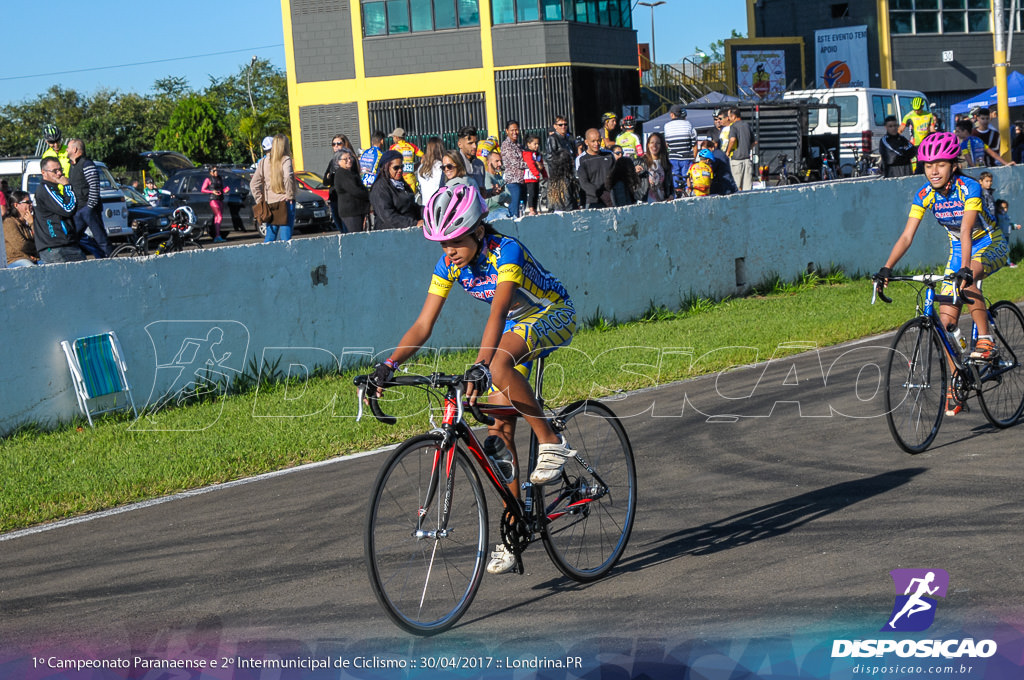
[997, 157]
[420, 330]
[903, 242]
[495, 328]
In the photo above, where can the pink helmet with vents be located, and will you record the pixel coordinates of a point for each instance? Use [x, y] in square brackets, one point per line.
[452, 211]
[939, 146]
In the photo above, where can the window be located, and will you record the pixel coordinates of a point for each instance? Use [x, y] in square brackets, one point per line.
[847, 111]
[614, 13]
[906, 105]
[881, 107]
[940, 16]
[389, 17]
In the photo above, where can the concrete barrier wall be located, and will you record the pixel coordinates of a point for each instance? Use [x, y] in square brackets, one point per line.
[331, 297]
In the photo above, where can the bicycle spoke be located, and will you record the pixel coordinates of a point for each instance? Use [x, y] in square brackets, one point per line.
[1002, 386]
[915, 386]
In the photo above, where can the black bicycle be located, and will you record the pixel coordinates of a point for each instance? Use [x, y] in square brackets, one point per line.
[426, 527]
[182, 234]
[924, 351]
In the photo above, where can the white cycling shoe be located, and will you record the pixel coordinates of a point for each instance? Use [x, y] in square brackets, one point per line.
[502, 560]
[550, 461]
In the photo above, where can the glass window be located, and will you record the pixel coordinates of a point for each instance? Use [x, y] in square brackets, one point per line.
[469, 13]
[978, 4]
[584, 11]
[907, 105]
[421, 19]
[503, 11]
[375, 19]
[527, 10]
[627, 14]
[978, 21]
[926, 22]
[398, 16]
[552, 10]
[901, 4]
[881, 107]
[602, 13]
[444, 14]
[812, 119]
[954, 4]
[953, 22]
[926, 4]
[569, 9]
[847, 111]
[901, 22]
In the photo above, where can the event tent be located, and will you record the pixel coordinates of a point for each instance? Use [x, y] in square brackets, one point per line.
[1014, 91]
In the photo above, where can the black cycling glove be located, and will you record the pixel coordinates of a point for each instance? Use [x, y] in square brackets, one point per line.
[480, 376]
[382, 375]
[965, 275]
[884, 274]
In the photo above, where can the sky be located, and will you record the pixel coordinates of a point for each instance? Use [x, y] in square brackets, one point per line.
[127, 46]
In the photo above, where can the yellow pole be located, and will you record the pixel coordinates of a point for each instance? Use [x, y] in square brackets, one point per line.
[1002, 98]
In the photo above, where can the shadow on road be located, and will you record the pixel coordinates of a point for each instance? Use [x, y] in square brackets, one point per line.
[766, 521]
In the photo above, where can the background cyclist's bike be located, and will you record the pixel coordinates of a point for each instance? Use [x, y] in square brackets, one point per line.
[920, 360]
[426, 528]
[182, 234]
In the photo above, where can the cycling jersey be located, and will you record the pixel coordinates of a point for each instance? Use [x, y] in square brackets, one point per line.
[62, 156]
[964, 194]
[541, 312]
[410, 152]
[700, 176]
[630, 144]
[987, 243]
[972, 151]
[368, 162]
[919, 124]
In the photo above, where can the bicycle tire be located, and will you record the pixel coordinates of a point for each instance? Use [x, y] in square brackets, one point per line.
[1002, 397]
[126, 250]
[425, 584]
[915, 385]
[793, 179]
[583, 534]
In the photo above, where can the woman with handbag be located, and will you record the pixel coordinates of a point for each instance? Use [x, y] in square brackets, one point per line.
[274, 182]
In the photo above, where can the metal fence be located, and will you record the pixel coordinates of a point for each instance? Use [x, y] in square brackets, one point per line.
[424, 117]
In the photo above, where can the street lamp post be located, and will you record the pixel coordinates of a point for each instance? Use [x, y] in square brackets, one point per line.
[248, 83]
[652, 5]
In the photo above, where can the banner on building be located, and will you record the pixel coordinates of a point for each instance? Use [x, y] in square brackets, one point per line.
[762, 72]
[841, 57]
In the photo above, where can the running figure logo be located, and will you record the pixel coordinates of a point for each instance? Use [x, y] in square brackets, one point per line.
[914, 609]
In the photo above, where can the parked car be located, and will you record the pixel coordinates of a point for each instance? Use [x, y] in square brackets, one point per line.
[184, 187]
[114, 208]
[142, 217]
[313, 182]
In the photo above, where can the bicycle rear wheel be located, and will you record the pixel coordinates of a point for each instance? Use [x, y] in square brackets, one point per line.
[127, 250]
[915, 386]
[424, 571]
[590, 513]
[1002, 394]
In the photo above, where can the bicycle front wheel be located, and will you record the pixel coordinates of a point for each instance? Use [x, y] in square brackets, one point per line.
[915, 386]
[590, 512]
[425, 570]
[1002, 383]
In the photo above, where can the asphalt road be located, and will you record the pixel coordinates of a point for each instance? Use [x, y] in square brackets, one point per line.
[780, 524]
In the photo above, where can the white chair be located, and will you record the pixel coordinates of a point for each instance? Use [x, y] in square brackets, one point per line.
[98, 372]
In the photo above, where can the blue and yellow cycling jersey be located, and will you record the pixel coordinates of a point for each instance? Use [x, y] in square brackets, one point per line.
[964, 194]
[502, 258]
[972, 151]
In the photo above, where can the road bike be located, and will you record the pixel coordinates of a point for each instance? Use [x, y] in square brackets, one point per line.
[182, 234]
[785, 176]
[828, 166]
[865, 164]
[426, 527]
[922, 355]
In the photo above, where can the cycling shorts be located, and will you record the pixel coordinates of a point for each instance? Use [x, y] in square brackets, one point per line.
[990, 252]
[544, 331]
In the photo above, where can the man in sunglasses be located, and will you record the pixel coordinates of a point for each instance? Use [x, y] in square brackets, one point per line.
[55, 233]
[558, 138]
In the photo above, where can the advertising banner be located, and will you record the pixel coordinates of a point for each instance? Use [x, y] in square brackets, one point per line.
[841, 57]
[762, 72]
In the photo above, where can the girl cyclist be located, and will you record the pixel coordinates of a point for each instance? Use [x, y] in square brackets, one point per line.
[977, 248]
[531, 316]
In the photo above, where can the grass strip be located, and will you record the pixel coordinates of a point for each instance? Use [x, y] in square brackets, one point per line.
[73, 469]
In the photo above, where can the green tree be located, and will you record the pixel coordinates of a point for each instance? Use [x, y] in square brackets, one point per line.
[247, 122]
[195, 129]
[22, 124]
[715, 52]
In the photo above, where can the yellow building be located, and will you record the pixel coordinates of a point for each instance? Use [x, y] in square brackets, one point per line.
[433, 66]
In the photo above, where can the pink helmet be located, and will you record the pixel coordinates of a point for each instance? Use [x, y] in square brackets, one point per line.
[939, 146]
[452, 211]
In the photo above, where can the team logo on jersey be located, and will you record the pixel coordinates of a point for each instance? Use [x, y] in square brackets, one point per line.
[837, 74]
[916, 590]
